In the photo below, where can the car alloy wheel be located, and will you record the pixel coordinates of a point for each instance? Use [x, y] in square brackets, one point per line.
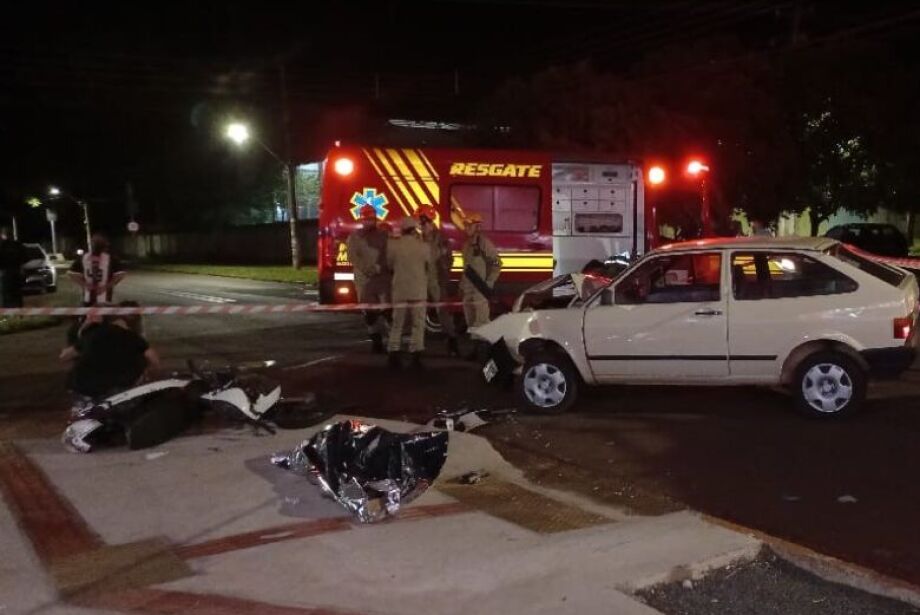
[545, 385]
[827, 388]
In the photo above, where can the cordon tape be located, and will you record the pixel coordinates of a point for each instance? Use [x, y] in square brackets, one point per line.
[186, 310]
[256, 308]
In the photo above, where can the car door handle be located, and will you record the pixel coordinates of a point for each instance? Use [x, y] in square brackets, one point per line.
[708, 312]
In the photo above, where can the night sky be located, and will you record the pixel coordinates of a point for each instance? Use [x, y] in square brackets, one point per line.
[94, 95]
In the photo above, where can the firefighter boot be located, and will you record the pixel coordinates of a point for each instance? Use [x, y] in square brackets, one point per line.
[453, 350]
[377, 343]
[394, 360]
[416, 363]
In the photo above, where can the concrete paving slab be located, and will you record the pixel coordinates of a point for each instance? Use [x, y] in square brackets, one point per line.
[220, 485]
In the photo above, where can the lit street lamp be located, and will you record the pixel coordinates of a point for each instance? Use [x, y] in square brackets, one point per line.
[239, 133]
[56, 192]
[698, 169]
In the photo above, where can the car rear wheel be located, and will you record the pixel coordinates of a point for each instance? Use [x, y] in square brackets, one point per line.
[828, 385]
[548, 383]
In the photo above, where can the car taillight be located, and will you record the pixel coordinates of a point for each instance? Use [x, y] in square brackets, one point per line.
[903, 327]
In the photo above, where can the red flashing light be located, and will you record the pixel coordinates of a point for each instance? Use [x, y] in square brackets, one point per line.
[656, 176]
[344, 166]
[695, 167]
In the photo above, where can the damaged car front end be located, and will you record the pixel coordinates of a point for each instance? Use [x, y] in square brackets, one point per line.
[546, 306]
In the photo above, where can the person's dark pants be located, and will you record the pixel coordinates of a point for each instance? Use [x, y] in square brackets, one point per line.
[10, 290]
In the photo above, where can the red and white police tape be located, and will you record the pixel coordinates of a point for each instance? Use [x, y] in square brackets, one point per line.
[177, 310]
[186, 310]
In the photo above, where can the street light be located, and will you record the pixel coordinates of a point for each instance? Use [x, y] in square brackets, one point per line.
[239, 133]
[699, 169]
[56, 192]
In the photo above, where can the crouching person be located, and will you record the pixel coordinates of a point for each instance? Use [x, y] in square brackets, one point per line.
[109, 355]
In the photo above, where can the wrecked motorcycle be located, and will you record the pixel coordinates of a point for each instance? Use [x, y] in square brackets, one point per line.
[154, 412]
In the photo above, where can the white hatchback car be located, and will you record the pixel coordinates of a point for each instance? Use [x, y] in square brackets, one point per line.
[805, 313]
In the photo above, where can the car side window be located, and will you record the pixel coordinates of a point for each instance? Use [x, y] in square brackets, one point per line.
[675, 278]
[783, 275]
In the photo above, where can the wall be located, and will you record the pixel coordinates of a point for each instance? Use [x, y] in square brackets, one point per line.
[264, 244]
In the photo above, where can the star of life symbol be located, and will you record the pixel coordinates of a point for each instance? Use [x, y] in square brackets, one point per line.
[370, 197]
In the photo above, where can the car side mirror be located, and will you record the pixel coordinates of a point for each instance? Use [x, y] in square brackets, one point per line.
[607, 296]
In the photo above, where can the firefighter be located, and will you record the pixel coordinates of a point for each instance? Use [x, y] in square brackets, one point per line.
[439, 273]
[409, 258]
[367, 253]
[481, 266]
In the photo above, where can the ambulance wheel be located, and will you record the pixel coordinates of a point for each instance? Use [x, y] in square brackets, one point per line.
[548, 383]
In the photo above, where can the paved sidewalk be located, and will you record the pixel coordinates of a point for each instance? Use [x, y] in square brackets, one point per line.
[212, 527]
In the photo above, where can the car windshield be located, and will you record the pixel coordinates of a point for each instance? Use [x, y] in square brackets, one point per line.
[562, 291]
[33, 253]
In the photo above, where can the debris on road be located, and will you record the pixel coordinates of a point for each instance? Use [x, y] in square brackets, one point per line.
[368, 470]
[472, 478]
[467, 420]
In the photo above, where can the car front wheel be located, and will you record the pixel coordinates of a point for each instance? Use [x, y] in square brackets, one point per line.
[828, 385]
[548, 383]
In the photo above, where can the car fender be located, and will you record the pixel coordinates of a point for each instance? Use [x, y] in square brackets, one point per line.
[810, 344]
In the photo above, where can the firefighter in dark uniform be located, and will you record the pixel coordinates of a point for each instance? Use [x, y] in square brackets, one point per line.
[367, 252]
[439, 273]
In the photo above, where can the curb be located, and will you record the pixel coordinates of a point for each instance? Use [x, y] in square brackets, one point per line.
[829, 568]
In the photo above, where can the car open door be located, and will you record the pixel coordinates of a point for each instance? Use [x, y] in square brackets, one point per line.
[664, 321]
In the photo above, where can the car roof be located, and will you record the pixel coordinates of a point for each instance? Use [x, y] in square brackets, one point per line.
[812, 244]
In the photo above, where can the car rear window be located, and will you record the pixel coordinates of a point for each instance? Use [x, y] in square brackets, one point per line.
[782, 275]
[874, 268]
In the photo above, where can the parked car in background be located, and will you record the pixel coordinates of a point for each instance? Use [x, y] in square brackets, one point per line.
[804, 313]
[38, 273]
[881, 239]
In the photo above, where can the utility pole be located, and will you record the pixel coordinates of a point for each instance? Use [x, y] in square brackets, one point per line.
[15, 228]
[89, 234]
[290, 168]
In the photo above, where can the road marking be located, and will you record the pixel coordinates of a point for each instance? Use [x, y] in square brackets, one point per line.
[312, 363]
[199, 297]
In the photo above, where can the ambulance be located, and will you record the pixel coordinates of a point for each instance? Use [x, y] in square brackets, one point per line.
[547, 215]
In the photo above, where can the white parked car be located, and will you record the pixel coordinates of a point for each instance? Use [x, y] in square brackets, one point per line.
[38, 273]
[804, 313]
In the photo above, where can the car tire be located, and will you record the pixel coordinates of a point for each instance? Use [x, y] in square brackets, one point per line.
[548, 383]
[829, 385]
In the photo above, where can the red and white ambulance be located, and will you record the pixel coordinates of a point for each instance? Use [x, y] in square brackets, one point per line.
[546, 214]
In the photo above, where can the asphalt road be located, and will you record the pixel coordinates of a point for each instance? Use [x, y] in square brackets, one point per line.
[31, 376]
[847, 489]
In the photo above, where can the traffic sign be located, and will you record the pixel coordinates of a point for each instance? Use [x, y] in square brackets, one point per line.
[51, 215]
